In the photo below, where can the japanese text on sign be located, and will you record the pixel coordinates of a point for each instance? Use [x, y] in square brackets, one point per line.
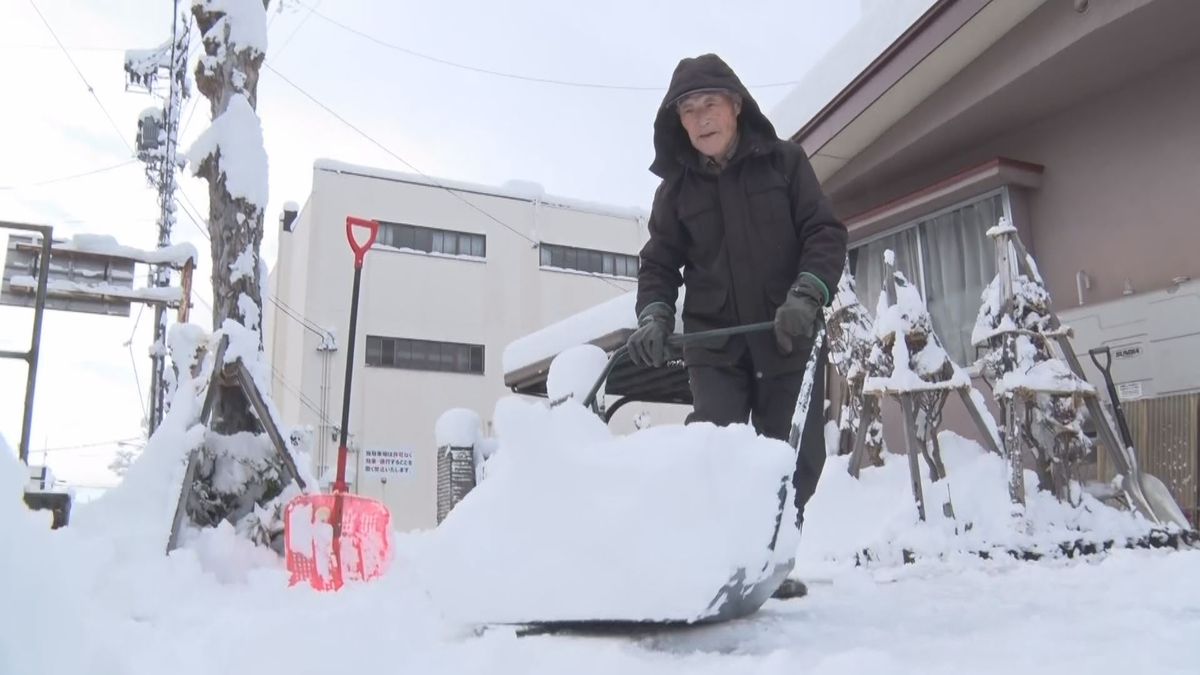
[389, 462]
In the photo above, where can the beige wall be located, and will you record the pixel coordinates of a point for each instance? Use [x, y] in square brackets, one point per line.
[414, 295]
[1118, 135]
[1118, 194]
[1122, 158]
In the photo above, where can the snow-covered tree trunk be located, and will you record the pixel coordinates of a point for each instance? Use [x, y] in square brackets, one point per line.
[234, 33]
[241, 475]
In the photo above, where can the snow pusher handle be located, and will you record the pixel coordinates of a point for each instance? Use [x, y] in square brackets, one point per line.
[1113, 395]
[675, 340]
[360, 250]
[1107, 352]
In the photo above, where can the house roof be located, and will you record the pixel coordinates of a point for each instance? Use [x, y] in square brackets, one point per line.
[936, 47]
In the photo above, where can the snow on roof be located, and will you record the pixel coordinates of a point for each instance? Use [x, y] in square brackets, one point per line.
[103, 244]
[879, 26]
[511, 189]
[580, 328]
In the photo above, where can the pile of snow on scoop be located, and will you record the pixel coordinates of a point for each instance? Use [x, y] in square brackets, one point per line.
[575, 523]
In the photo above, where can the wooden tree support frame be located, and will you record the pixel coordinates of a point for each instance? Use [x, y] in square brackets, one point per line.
[920, 433]
[225, 373]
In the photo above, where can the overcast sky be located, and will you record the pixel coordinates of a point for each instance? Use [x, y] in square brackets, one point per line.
[583, 142]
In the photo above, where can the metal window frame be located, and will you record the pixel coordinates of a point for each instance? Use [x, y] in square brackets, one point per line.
[1006, 208]
[438, 356]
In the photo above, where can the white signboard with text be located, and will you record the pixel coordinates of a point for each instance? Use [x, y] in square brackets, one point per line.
[387, 462]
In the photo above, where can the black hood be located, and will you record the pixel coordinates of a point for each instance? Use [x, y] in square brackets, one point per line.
[672, 148]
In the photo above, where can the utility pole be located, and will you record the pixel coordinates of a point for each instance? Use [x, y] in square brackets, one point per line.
[158, 132]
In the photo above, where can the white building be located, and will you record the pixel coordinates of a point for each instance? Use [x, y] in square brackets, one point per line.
[458, 272]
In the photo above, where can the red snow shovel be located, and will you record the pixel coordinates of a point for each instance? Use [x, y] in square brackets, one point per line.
[339, 537]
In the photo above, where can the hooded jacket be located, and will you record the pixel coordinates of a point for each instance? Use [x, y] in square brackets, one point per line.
[739, 239]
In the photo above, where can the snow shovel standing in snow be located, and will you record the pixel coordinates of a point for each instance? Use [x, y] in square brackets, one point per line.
[334, 538]
[1146, 487]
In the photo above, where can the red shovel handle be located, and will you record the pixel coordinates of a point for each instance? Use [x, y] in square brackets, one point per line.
[360, 250]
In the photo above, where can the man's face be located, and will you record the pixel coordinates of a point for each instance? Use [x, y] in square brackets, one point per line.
[710, 119]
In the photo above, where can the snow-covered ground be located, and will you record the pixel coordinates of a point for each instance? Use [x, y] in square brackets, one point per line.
[85, 600]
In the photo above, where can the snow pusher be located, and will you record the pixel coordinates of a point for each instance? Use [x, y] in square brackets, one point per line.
[330, 539]
[630, 591]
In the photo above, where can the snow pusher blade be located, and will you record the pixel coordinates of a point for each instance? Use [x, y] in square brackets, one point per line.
[748, 589]
[749, 586]
[326, 555]
[330, 539]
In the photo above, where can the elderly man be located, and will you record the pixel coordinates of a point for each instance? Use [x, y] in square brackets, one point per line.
[741, 213]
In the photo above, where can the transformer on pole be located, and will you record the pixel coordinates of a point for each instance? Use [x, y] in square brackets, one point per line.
[157, 142]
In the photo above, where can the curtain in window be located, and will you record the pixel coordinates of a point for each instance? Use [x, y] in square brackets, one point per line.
[869, 267]
[959, 263]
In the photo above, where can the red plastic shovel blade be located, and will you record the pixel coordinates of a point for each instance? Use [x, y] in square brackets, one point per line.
[364, 543]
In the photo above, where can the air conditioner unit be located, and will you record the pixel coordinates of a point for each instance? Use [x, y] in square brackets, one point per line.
[1154, 337]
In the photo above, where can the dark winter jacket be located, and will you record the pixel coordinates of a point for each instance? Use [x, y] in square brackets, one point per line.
[742, 236]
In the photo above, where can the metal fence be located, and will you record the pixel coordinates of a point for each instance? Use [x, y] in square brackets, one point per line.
[1166, 434]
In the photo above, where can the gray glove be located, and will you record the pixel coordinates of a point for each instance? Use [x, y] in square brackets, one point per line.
[797, 316]
[648, 344]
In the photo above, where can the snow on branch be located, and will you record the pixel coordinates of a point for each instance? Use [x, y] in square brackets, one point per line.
[245, 20]
[235, 140]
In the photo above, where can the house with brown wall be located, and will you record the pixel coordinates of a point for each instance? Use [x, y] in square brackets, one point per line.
[1078, 120]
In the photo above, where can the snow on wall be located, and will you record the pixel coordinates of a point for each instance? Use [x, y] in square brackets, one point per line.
[457, 428]
[237, 135]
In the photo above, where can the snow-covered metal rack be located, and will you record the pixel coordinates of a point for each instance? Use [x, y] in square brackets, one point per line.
[900, 356]
[1043, 391]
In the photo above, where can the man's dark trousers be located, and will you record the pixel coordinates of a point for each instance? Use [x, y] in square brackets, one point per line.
[734, 394]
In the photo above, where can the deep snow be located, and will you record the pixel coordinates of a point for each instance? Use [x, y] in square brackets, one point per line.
[101, 597]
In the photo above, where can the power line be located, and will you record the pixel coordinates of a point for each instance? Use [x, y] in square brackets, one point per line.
[196, 219]
[66, 178]
[72, 48]
[137, 378]
[299, 318]
[411, 166]
[304, 400]
[500, 73]
[291, 35]
[81, 77]
[97, 444]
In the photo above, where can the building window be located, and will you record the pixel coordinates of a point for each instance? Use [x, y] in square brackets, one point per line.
[432, 240]
[588, 260]
[951, 259]
[446, 357]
